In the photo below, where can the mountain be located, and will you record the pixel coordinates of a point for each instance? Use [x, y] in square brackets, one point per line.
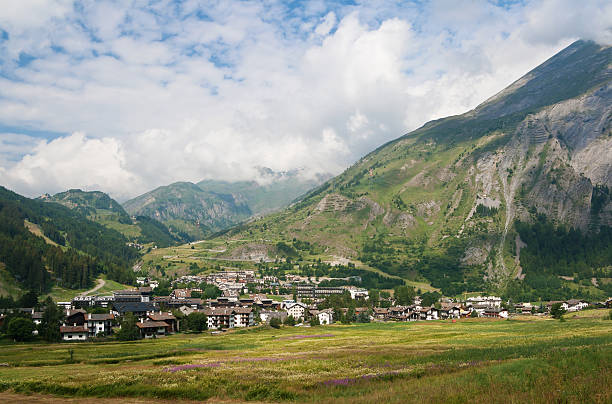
[513, 196]
[195, 211]
[101, 208]
[45, 243]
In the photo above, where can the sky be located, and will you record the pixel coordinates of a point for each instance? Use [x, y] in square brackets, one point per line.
[124, 96]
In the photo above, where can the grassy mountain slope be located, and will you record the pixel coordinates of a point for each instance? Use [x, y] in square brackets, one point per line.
[101, 208]
[441, 203]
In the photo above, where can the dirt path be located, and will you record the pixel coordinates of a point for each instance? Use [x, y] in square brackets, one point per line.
[9, 397]
[101, 283]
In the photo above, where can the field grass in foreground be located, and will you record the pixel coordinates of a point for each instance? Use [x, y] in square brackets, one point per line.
[475, 361]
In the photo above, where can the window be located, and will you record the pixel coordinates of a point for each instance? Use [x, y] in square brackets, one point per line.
[70, 336]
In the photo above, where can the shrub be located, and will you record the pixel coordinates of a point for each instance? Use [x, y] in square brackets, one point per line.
[556, 311]
[275, 322]
[20, 329]
[290, 321]
[128, 331]
[314, 321]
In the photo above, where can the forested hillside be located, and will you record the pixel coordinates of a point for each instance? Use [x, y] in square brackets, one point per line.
[75, 251]
[101, 208]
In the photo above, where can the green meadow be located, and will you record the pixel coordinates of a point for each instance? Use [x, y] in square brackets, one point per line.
[468, 361]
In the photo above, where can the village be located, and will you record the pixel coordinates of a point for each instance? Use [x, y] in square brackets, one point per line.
[236, 304]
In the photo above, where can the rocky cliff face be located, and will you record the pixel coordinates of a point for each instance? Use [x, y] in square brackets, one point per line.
[542, 146]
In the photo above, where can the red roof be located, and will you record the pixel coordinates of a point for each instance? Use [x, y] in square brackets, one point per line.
[69, 328]
[152, 324]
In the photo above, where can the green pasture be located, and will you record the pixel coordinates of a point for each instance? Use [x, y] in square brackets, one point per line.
[526, 359]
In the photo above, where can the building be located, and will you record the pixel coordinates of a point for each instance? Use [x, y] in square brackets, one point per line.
[243, 317]
[152, 329]
[357, 293]
[296, 310]
[325, 316]
[168, 318]
[73, 332]
[99, 324]
[220, 317]
[495, 312]
[572, 305]
[266, 316]
[138, 309]
[490, 301]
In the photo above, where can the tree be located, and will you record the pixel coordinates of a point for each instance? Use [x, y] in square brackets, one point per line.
[314, 321]
[197, 322]
[363, 318]
[20, 329]
[290, 321]
[30, 299]
[275, 322]
[556, 311]
[404, 295]
[474, 314]
[51, 320]
[128, 331]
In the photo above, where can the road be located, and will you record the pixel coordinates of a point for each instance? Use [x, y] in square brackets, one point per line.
[101, 283]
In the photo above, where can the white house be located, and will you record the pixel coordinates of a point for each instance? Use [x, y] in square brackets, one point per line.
[220, 317]
[576, 305]
[73, 332]
[296, 310]
[492, 301]
[243, 317]
[357, 292]
[326, 316]
[99, 323]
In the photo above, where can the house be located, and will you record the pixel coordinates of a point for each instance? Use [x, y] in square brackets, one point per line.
[550, 304]
[73, 332]
[572, 305]
[357, 293]
[484, 301]
[101, 323]
[495, 312]
[75, 316]
[168, 318]
[243, 317]
[266, 316]
[450, 310]
[380, 313]
[152, 329]
[325, 316]
[296, 310]
[37, 317]
[220, 317]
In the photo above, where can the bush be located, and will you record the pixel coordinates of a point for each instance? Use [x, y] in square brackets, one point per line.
[20, 329]
[474, 314]
[314, 321]
[275, 322]
[290, 321]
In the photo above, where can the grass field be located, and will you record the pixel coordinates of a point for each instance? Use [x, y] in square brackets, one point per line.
[476, 361]
[59, 294]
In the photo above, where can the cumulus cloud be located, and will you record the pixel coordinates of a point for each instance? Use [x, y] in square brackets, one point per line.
[150, 94]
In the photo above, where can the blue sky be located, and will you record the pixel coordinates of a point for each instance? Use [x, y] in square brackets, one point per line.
[124, 96]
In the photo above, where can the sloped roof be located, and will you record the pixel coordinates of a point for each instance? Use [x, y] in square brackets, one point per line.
[69, 328]
[152, 324]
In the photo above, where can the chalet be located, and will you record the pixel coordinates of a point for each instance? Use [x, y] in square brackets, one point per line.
[220, 317]
[495, 312]
[572, 305]
[99, 323]
[450, 310]
[75, 316]
[493, 301]
[37, 317]
[380, 313]
[357, 293]
[243, 317]
[132, 295]
[152, 329]
[73, 332]
[168, 318]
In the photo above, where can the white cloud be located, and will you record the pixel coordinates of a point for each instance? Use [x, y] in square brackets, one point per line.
[170, 92]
